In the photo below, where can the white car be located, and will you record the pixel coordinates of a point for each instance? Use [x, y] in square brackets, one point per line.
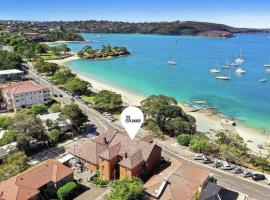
[267, 179]
[227, 166]
[198, 157]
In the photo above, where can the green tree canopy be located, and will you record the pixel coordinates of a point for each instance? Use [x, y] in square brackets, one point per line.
[75, 115]
[9, 60]
[108, 101]
[46, 67]
[184, 139]
[77, 86]
[39, 109]
[65, 192]
[170, 118]
[63, 75]
[126, 189]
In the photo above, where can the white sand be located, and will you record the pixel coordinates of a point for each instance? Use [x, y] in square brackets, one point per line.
[65, 60]
[205, 121]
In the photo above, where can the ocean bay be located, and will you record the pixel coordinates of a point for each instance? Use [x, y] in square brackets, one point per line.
[146, 72]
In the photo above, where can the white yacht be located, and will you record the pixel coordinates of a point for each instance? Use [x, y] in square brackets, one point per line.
[233, 64]
[263, 80]
[223, 77]
[239, 60]
[240, 71]
[268, 64]
[172, 62]
[214, 70]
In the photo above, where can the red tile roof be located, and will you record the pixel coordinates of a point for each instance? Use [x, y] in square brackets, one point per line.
[183, 181]
[112, 144]
[23, 87]
[133, 161]
[27, 184]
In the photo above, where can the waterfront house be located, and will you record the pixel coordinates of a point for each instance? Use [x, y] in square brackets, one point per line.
[24, 94]
[11, 75]
[116, 155]
[37, 181]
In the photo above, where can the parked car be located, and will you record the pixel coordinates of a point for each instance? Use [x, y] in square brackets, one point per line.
[207, 160]
[257, 177]
[90, 105]
[198, 156]
[246, 173]
[60, 95]
[77, 97]
[237, 170]
[227, 166]
[217, 164]
[267, 179]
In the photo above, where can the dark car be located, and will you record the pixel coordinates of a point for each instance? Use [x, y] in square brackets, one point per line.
[60, 95]
[206, 160]
[258, 177]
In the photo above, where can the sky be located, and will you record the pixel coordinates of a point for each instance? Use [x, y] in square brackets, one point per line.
[238, 13]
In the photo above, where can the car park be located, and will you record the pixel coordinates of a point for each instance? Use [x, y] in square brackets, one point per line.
[257, 177]
[198, 156]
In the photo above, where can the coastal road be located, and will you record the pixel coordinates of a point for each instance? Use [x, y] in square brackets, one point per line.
[234, 182]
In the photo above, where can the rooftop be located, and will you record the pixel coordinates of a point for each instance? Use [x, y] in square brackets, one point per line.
[23, 87]
[179, 181]
[27, 184]
[109, 145]
[11, 71]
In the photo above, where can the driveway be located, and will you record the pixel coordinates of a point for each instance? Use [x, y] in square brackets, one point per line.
[93, 192]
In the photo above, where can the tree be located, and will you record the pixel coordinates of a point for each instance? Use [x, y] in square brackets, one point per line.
[200, 144]
[39, 109]
[164, 112]
[5, 121]
[126, 189]
[76, 117]
[42, 48]
[10, 60]
[12, 165]
[108, 101]
[27, 127]
[55, 135]
[55, 108]
[8, 137]
[63, 75]
[46, 67]
[184, 139]
[77, 86]
[65, 192]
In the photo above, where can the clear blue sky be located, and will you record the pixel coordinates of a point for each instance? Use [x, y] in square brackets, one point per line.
[240, 13]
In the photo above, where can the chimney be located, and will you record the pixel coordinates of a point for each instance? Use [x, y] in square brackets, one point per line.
[105, 141]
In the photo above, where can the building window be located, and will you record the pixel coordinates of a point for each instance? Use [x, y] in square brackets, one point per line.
[102, 167]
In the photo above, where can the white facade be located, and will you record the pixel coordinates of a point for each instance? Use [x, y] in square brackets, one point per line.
[26, 100]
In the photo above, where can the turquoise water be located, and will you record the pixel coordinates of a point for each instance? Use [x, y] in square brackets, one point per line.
[145, 72]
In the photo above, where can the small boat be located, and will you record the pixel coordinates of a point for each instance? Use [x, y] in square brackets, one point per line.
[214, 70]
[267, 70]
[227, 66]
[240, 71]
[239, 60]
[263, 80]
[234, 64]
[268, 64]
[98, 36]
[171, 62]
[223, 77]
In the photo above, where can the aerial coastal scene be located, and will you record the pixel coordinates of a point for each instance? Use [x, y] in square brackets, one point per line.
[189, 79]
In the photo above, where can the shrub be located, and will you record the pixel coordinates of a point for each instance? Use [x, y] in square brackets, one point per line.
[66, 191]
[39, 109]
[5, 121]
[184, 139]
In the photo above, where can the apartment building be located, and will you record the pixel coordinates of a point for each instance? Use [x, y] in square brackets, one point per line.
[24, 94]
[116, 155]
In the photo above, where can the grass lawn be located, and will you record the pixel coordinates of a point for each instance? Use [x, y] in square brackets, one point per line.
[90, 99]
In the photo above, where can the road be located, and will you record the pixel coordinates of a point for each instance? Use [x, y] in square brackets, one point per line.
[103, 125]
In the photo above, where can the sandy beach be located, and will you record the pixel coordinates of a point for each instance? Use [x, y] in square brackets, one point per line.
[206, 120]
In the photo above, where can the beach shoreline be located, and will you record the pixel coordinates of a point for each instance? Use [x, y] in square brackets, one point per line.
[207, 120]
